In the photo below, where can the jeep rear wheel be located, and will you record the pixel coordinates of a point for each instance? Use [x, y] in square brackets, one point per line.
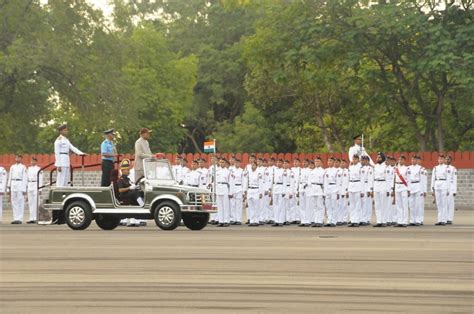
[195, 221]
[78, 215]
[107, 222]
[167, 216]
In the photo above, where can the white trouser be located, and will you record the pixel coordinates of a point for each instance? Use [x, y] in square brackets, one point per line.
[290, 207]
[268, 207]
[414, 206]
[1, 208]
[302, 207]
[286, 201]
[18, 205]
[402, 207]
[450, 204]
[365, 208]
[342, 216]
[421, 206]
[381, 207]
[63, 177]
[307, 216]
[236, 204]
[278, 209]
[33, 203]
[331, 208]
[392, 210]
[223, 208]
[355, 207]
[442, 205]
[262, 209]
[316, 205]
[253, 204]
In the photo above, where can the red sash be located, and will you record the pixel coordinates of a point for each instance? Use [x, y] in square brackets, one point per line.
[401, 178]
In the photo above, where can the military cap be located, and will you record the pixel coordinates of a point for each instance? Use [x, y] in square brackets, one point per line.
[416, 157]
[62, 127]
[355, 156]
[109, 131]
[145, 130]
[364, 157]
[125, 164]
[357, 136]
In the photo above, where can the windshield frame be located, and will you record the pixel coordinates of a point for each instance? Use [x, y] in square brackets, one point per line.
[146, 169]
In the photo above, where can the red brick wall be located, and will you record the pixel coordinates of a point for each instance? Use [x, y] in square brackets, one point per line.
[461, 160]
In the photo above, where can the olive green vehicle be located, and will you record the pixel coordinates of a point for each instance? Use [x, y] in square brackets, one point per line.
[165, 200]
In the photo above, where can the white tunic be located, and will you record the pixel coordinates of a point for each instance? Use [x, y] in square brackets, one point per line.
[254, 184]
[331, 181]
[3, 180]
[222, 181]
[236, 180]
[315, 182]
[18, 180]
[401, 171]
[440, 178]
[32, 173]
[381, 178]
[355, 177]
[62, 148]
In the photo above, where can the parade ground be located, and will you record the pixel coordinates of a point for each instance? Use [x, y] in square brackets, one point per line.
[52, 269]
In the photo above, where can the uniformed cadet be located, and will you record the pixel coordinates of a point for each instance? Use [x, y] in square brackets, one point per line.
[358, 149]
[302, 185]
[212, 175]
[278, 192]
[424, 188]
[294, 214]
[222, 194]
[368, 191]
[392, 208]
[236, 192]
[142, 151]
[415, 180]
[261, 201]
[287, 190]
[344, 209]
[440, 179]
[176, 169]
[382, 188]
[108, 152]
[254, 193]
[204, 179]
[17, 185]
[401, 192]
[3, 189]
[232, 163]
[315, 193]
[252, 158]
[453, 187]
[269, 174]
[33, 198]
[308, 214]
[331, 192]
[193, 176]
[355, 191]
[62, 149]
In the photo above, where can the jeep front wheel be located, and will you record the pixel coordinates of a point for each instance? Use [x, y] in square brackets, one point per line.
[167, 216]
[78, 215]
[195, 221]
[107, 222]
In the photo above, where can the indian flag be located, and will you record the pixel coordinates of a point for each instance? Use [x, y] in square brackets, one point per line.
[210, 147]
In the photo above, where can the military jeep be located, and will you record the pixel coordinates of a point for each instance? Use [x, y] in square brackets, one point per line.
[165, 200]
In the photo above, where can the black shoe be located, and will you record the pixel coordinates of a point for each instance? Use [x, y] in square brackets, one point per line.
[401, 226]
[354, 225]
[261, 223]
[412, 224]
[439, 224]
[331, 225]
[31, 222]
[383, 225]
[363, 224]
[271, 222]
[417, 224]
[275, 225]
[142, 224]
[16, 222]
[302, 225]
[377, 225]
[220, 225]
[226, 225]
[237, 223]
[317, 226]
[449, 222]
[297, 222]
[339, 224]
[287, 223]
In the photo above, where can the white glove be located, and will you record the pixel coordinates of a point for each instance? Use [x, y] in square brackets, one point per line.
[133, 187]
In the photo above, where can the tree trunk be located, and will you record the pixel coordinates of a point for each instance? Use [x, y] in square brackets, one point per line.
[324, 128]
[439, 122]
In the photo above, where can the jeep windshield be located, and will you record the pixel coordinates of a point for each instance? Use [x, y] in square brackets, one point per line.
[158, 169]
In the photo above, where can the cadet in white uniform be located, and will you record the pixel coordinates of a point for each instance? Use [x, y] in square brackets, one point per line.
[355, 191]
[222, 194]
[33, 198]
[453, 189]
[331, 192]
[3, 189]
[204, 180]
[358, 149]
[192, 177]
[254, 192]
[440, 188]
[278, 191]
[17, 184]
[62, 149]
[382, 188]
[367, 180]
[344, 188]
[261, 201]
[414, 180]
[392, 208]
[288, 191]
[401, 192]
[315, 193]
[236, 192]
[302, 185]
[267, 192]
[308, 215]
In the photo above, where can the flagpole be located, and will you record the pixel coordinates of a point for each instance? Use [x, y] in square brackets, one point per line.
[215, 175]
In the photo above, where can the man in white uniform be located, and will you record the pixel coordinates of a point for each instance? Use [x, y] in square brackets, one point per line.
[355, 191]
[401, 192]
[453, 187]
[302, 184]
[308, 214]
[62, 149]
[192, 177]
[222, 194]
[288, 190]
[254, 192]
[440, 188]
[392, 208]
[358, 149]
[204, 180]
[382, 188]
[344, 188]
[3, 189]
[17, 184]
[315, 193]
[33, 198]
[236, 192]
[278, 191]
[368, 191]
[331, 190]
[414, 180]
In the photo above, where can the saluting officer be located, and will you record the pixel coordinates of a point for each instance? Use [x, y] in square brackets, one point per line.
[62, 149]
[254, 192]
[32, 174]
[108, 152]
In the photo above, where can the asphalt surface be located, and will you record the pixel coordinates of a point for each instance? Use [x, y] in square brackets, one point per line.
[52, 269]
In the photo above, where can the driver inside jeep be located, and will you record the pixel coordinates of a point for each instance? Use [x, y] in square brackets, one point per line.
[129, 192]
